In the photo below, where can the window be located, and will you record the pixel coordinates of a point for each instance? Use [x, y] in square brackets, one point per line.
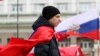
[0, 40]
[62, 6]
[84, 6]
[86, 44]
[66, 44]
[38, 7]
[17, 7]
[81, 45]
[1, 8]
[8, 39]
[63, 44]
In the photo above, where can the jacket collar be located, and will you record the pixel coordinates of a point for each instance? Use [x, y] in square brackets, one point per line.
[41, 21]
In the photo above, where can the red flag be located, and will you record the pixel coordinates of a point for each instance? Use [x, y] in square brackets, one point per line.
[68, 51]
[20, 47]
[1, 47]
[17, 47]
[71, 51]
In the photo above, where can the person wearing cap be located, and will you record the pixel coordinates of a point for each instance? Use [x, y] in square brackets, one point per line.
[44, 31]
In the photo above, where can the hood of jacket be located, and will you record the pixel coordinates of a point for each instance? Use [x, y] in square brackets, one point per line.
[41, 22]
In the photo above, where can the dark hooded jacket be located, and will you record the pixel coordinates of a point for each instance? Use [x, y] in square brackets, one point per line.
[45, 49]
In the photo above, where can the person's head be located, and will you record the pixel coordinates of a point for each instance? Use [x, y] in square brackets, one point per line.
[52, 14]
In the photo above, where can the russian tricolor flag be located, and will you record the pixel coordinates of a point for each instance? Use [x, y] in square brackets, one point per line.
[85, 24]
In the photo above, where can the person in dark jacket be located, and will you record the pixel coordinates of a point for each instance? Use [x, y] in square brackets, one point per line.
[44, 31]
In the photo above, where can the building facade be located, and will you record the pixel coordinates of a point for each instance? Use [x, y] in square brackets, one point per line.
[16, 19]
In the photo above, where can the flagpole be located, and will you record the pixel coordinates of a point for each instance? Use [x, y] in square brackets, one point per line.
[17, 19]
